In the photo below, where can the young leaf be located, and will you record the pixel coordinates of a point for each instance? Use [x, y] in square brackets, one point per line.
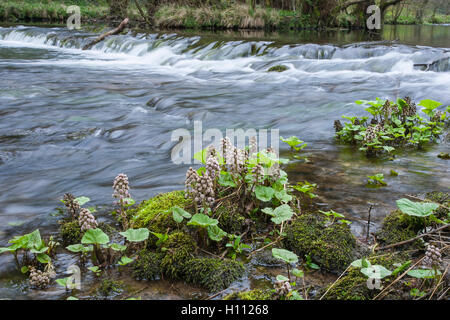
[282, 278]
[264, 193]
[215, 233]
[285, 255]
[136, 235]
[82, 200]
[202, 220]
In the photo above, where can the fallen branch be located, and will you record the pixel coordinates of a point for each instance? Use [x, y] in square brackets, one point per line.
[413, 239]
[117, 30]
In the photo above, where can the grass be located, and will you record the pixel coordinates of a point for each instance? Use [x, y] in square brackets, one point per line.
[411, 19]
[49, 10]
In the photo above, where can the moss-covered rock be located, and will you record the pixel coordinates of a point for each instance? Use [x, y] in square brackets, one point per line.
[70, 233]
[147, 265]
[178, 250]
[212, 274]
[332, 247]
[231, 219]
[398, 226]
[256, 294]
[109, 287]
[279, 68]
[153, 213]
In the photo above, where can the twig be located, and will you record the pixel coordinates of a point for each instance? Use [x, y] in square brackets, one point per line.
[215, 295]
[427, 200]
[397, 279]
[368, 222]
[329, 288]
[414, 239]
[107, 34]
[440, 281]
[262, 248]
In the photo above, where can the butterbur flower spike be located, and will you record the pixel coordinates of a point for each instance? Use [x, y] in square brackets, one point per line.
[39, 279]
[121, 187]
[86, 220]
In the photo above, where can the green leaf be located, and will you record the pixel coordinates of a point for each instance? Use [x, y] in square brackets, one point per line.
[82, 200]
[429, 104]
[280, 214]
[264, 193]
[129, 202]
[72, 298]
[179, 214]
[283, 196]
[43, 258]
[298, 273]
[359, 263]
[79, 248]
[226, 180]
[95, 269]
[215, 233]
[285, 255]
[401, 268]
[95, 236]
[294, 142]
[423, 273]
[202, 220]
[162, 237]
[201, 155]
[117, 247]
[418, 209]
[24, 269]
[282, 278]
[41, 250]
[125, 260]
[136, 235]
[376, 272]
[295, 295]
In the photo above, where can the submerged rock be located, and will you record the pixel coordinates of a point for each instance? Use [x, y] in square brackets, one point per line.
[211, 273]
[279, 68]
[256, 294]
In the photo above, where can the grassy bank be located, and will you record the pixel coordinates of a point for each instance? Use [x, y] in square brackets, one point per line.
[411, 19]
[238, 16]
[225, 16]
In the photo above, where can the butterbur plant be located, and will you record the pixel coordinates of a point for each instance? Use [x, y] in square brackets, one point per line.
[376, 180]
[122, 195]
[392, 125]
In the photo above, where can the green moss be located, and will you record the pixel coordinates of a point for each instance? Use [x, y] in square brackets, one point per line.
[353, 285]
[398, 226]
[147, 265]
[441, 198]
[106, 228]
[279, 68]
[178, 249]
[153, 213]
[70, 233]
[230, 219]
[110, 287]
[256, 294]
[212, 274]
[332, 247]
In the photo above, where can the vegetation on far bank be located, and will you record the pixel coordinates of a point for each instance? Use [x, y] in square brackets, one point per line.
[229, 14]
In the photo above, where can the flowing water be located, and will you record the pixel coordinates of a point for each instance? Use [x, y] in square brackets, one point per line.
[70, 120]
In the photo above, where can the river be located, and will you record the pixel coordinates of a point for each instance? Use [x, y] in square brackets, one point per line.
[71, 120]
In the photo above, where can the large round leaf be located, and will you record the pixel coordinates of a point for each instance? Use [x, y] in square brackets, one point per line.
[215, 233]
[264, 193]
[285, 255]
[202, 220]
[136, 235]
[95, 236]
